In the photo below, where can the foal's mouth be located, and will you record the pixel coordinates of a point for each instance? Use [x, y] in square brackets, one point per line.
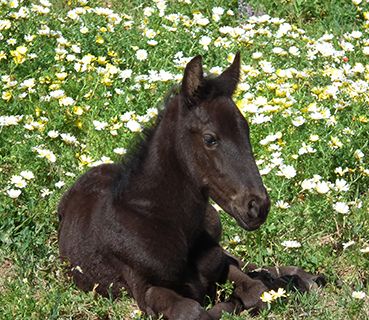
[250, 214]
[250, 220]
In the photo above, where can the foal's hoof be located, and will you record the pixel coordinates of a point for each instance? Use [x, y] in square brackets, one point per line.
[250, 295]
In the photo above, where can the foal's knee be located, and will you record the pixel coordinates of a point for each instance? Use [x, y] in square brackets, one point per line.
[248, 290]
[188, 309]
[172, 305]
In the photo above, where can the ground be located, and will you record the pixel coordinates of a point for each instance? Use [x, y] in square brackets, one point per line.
[80, 79]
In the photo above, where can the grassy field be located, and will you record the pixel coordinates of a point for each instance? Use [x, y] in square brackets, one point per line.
[79, 80]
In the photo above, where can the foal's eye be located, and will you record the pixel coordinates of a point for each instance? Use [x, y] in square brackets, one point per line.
[210, 140]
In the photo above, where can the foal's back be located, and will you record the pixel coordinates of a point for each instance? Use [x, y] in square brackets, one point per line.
[94, 186]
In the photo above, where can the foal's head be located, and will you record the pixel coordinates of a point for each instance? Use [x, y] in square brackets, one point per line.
[214, 141]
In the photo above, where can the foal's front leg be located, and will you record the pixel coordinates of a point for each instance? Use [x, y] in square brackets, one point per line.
[249, 285]
[247, 290]
[156, 300]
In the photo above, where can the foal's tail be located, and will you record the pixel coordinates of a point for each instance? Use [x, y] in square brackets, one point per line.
[61, 207]
[59, 212]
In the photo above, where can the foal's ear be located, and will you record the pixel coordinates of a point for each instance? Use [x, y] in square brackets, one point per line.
[231, 76]
[192, 78]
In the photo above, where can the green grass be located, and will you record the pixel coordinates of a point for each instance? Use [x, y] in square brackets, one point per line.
[318, 17]
[33, 283]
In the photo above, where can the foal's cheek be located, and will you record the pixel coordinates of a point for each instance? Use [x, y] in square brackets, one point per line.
[208, 170]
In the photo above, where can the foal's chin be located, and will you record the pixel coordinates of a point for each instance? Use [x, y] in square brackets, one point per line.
[244, 219]
[247, 223]
[248, 220]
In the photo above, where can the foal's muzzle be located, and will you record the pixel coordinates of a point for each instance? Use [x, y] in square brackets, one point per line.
[251, 211]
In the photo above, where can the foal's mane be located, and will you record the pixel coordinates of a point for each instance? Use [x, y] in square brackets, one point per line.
[132, 161]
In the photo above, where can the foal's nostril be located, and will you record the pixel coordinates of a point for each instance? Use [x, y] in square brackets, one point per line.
[254, 209]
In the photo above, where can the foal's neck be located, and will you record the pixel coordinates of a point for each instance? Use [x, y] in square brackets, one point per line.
[163, 187]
